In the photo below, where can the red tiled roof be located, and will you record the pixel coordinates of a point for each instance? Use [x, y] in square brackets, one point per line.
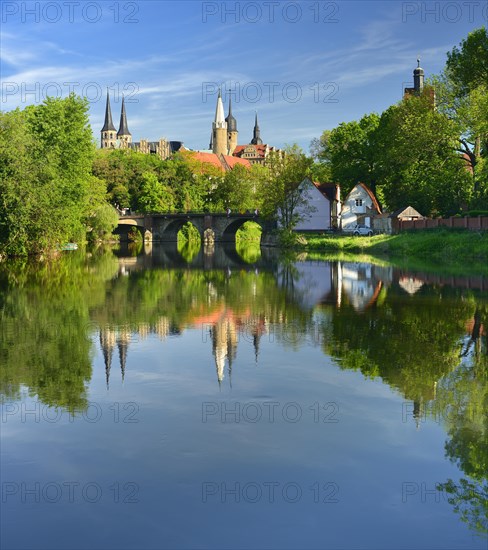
[224, 162]
[204, 158]
[232, 161]
[371, 195]
[330, 190]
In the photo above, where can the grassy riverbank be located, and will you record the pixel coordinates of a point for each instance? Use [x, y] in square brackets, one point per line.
[439, 246]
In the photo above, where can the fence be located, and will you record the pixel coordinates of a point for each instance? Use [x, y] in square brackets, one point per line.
[480, 223]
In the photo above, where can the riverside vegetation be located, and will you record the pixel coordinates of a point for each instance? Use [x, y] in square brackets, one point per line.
[56, 187]
[437, 246]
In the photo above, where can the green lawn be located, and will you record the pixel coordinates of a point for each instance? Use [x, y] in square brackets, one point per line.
[440, 247]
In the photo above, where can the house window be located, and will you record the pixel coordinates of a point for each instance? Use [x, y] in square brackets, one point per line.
[359, 202]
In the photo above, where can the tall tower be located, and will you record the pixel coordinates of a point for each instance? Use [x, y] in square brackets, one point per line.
[231, 130]
[219, 129]
[256, 138]
[123, 134]
[108, 131]
[418, 78]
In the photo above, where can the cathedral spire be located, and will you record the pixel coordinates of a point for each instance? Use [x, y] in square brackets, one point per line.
[231, 121]
[256, 139]
[219, 129]
[123, 128]
[108, 125]
[219, 121]
[231, 130]
[108, 138]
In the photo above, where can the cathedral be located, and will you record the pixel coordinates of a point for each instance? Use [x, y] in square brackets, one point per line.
[122, 139]
[223, 140]
[224, 148]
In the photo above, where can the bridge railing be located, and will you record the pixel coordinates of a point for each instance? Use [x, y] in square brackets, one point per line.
[131, 214]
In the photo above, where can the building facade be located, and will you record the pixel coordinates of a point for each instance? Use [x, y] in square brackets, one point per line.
[359, 207]
[323, 206]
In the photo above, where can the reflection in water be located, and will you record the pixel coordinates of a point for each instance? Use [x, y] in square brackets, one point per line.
[423, 335]
[189, 249]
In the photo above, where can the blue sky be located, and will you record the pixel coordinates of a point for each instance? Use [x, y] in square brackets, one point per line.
[304, 66]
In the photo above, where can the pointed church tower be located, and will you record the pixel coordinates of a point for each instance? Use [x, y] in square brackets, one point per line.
[256, 139]
[123, 135]
[231, 130]
[219, 129]
[108, 131]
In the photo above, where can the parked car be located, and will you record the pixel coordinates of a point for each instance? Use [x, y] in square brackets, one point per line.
[362, 230]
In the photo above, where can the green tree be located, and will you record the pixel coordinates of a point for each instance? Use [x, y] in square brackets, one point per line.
[154, 196]
[46, 154]
[462, 92]
[350, 152]
[418, 164]
[280, 195]
[236, 190]
[467, 65]
[103, 220]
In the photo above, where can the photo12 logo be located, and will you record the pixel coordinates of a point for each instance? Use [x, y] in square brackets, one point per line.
[422, 492]
[68, 492]
[270, 12]
[252, 492]
[36, 92]
[446, 12]
[125, 413]
[269, 412]
[69, 12]
[271, 91]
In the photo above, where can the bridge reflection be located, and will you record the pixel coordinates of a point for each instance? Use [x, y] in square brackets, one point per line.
[235, 303]
[209, 257]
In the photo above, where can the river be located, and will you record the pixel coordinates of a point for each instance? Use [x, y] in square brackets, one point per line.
[206, 399]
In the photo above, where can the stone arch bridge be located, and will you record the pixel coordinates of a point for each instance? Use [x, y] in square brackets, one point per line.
[165, 227]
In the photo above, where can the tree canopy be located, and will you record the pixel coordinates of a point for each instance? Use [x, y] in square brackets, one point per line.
[430, 156]
[46, 154]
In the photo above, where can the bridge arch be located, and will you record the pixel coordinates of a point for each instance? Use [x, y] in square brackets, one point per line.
[173, 227]
[165, 227]
[230, 230]
[125, 226]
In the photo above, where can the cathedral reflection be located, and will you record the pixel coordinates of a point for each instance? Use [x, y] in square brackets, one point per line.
[361, 314]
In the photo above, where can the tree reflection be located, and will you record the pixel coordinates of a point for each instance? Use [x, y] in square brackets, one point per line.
[434, 351]
[45, 327]
[462, 403]
[427, 341]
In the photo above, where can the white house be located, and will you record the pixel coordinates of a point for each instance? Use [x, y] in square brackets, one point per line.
[323, 200]
[359, 207]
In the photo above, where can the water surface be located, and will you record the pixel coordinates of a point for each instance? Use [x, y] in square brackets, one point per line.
[163, 400]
